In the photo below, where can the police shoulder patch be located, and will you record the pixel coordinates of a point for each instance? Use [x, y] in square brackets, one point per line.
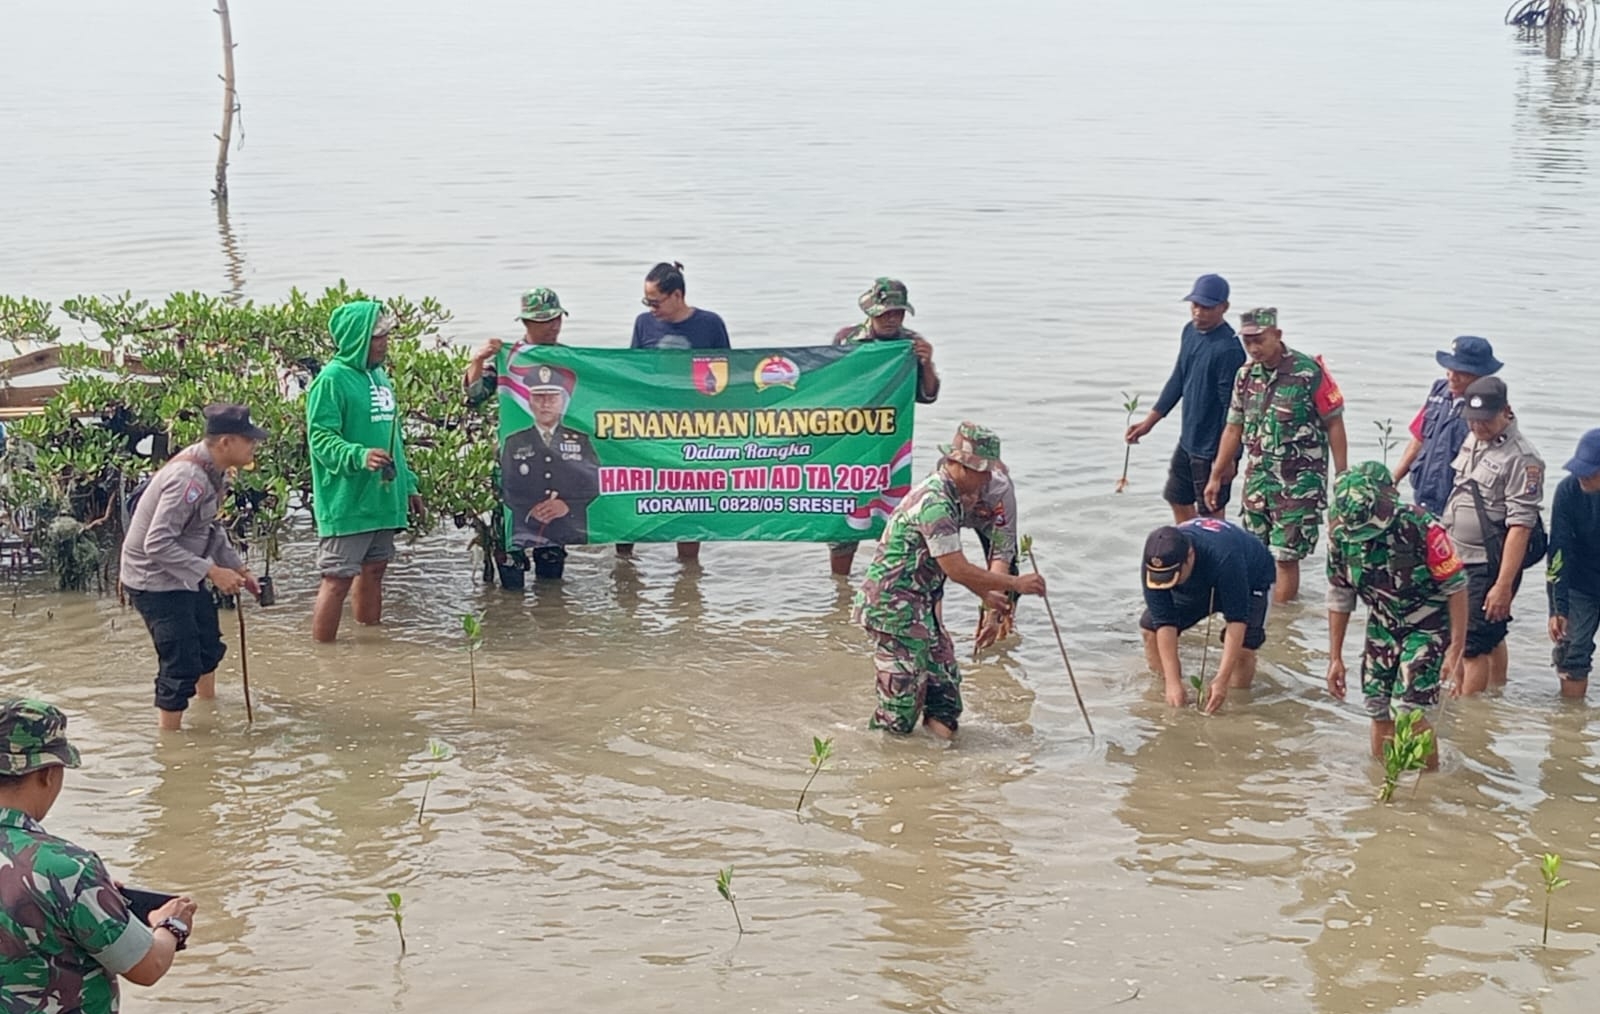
[1442, 559]
[192, 492]
[1533, 481]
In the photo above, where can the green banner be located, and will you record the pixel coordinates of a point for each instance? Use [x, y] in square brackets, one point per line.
[622, 445]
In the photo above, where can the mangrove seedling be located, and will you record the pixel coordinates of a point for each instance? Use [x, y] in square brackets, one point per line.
[821, 750]
[1387, 441]
[473, 629]
[1130, 405]
[399, 919]
[725, 888]
[1550, 869]
[1409, 750]
[439, 752]
[1552, 573]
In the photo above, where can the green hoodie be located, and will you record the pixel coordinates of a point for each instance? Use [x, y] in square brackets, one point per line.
[351, 409]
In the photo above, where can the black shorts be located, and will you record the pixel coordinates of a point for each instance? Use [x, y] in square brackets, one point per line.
[1186, 482]
[1483, 636]
[1193, 611]
[188, 640]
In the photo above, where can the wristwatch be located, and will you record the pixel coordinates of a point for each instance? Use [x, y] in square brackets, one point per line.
[178, 928]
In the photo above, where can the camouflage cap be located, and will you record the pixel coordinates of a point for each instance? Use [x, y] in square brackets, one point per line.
[1365, 502]
[34, 735]
[974, 446]
[1258, 320]
[886, 294]
[541, 305]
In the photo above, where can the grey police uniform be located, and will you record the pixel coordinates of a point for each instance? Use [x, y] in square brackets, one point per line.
[173, 539]
[1510, 475]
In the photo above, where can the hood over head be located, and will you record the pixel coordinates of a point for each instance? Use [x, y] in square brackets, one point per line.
[352, 326]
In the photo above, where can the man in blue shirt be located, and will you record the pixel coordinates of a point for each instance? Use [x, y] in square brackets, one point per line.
[1438, 431]
[1191, 571]
[670, 322]
[1575, 567]
[1209, 357]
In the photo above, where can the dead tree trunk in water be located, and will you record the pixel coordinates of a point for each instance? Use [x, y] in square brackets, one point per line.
[230, 103]
[1555, 24]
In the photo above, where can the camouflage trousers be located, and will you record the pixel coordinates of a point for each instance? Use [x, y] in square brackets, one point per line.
[915, 676]
[1401, 665]
[1287, 525]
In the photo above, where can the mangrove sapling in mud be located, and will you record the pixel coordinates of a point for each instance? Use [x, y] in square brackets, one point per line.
[821, 750]
[725, 888]
[399, 919]
[1408, 750]
[1130, 404]
[438, 752]
[1387, 441]
[1550, 869]
[473, 629]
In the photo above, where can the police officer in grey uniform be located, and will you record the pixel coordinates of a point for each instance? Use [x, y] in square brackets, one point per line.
[1499, 467]
[174, 545]
[549, 471]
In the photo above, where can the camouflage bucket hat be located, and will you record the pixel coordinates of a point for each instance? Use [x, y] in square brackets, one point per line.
[886, 294]
[35, 736]
[975, 446]
[541, 305]
[1365, 502]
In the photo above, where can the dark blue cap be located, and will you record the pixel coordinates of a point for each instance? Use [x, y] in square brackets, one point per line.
[1470, 354]
[1586, 461]
[1209, 290]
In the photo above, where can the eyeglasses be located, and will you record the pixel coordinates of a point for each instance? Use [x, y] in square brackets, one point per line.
[652, 303]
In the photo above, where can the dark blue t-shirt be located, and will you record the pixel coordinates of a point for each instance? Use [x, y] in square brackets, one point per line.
[1203, 379]
[702, 329]
[1575, 534]
[1442, 431]
[1227, 560]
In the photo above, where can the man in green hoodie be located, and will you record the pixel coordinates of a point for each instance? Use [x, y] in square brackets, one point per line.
[361, 487]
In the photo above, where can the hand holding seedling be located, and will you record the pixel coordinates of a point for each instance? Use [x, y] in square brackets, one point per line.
[1130, 404]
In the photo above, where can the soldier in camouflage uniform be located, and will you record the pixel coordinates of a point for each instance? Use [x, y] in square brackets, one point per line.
[541, 315]
[1287, 412]
[66, 932]
[898, 600]
[1401, 562]
[886, 305]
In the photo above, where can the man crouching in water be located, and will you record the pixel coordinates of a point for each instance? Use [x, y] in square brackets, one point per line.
[920, 548]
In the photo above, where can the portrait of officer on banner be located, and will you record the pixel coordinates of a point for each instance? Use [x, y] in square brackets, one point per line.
[549, 471]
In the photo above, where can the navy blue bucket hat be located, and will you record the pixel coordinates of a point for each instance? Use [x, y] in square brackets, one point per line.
[1470, 354]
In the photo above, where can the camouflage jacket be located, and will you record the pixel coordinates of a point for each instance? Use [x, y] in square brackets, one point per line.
[858, 333]
[1406, 574]
[904, 580]
[65, 931]
[1284, 411]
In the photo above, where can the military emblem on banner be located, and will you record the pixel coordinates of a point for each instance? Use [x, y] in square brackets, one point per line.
[776, 371]
[710, 374]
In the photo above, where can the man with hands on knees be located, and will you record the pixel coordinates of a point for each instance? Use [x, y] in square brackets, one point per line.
[174, 544]
[67, 932]
[1190, 571]
[1402, 563]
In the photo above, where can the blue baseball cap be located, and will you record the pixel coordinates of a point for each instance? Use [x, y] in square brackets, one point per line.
[1470, 354]
[1209, 290]
[1586, 461]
